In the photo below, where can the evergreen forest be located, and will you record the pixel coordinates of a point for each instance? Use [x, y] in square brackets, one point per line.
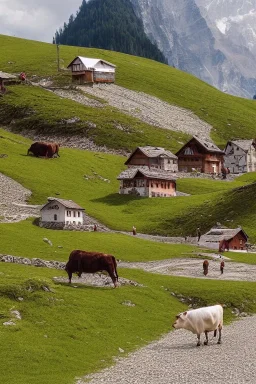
[111, 25]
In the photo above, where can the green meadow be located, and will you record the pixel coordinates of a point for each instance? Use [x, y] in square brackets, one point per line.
[68, 331]
[89, 178]
[81, 328]
[231, 117]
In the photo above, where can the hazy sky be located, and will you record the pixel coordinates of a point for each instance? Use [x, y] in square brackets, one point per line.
[35, 19]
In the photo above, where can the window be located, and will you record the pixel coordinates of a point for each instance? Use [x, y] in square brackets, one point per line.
[55, 217]
[69, 213]
[74, 214]
[78, 214]
[188, 151]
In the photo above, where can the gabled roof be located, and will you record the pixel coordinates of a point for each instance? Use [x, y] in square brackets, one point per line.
[218, 234]
[66, 203]
[152, 152]
[159, 174]
[245, 145]
[208, 145]
[4, 75]
[90, 63]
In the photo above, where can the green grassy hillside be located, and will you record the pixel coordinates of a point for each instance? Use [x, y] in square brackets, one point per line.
[79, 175]
[82, 328]
[230, 116]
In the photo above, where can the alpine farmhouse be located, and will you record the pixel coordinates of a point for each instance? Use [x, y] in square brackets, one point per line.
[240, 156]
[61, 212]
[201, 155]
[150, 173]
[86, 70]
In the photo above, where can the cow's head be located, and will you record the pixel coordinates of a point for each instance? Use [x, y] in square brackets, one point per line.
[180, 319]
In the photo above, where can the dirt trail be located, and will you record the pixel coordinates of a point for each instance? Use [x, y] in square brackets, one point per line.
[146, 108]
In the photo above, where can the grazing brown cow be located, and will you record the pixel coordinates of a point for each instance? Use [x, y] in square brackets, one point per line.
[205, 267]
[42, 149]
[91, 262]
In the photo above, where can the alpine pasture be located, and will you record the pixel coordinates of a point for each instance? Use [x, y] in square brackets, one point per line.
[68, 331]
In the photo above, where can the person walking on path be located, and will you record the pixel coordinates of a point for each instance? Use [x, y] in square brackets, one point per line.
[222, 265]
[134, 231]
[198, 232]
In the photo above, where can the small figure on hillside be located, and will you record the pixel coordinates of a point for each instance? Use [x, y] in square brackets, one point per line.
[23, 76]
[95, 227]
[198, 233]
[134, 231]
[205, 267]
[222, 265]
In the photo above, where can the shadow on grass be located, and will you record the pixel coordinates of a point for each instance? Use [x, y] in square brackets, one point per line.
[83, 286]
[116, 199]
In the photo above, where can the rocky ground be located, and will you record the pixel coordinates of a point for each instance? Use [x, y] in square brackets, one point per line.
[146, 108]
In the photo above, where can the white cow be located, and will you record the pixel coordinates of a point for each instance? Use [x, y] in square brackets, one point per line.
[201, 320]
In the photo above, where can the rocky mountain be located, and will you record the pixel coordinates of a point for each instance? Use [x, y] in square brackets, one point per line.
[213, 39]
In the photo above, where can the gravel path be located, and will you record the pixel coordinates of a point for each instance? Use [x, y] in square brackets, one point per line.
[146, 108]
[194, 268]
[176, 359]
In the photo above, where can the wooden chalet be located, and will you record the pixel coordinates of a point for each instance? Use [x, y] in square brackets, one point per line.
[153, 157]
[87, 70]
[147, 182]
[200, 155]
[222, 238]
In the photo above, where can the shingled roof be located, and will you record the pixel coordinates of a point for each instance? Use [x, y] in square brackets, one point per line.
[91, 64]
[152, 152]
[208, 145]
[218, 234]
[66, 203]
[159, 174]
[245, 145]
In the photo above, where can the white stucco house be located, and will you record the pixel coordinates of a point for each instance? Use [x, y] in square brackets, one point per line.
[63, 212]
[240, 156]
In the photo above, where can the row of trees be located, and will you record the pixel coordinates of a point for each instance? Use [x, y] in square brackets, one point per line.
[111, 25]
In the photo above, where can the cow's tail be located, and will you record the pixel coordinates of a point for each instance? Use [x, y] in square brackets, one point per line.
[115, 266]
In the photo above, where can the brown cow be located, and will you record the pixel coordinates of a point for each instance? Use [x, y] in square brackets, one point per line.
[43, 149]
[205, 267]
[91, 262]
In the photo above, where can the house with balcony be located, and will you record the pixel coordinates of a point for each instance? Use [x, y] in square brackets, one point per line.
[153, 158]
[87, 70]
[201, 155]
[147, 182]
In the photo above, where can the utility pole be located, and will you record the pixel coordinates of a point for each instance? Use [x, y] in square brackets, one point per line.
[58, 56]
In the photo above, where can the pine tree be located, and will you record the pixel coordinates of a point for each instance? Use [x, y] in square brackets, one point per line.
[111, 25]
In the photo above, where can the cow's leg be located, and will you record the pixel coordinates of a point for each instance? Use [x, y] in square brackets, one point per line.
[206, 338]
[111, 273]
[215, 333]
[198, 340]
[219, 339]
[69, 276]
